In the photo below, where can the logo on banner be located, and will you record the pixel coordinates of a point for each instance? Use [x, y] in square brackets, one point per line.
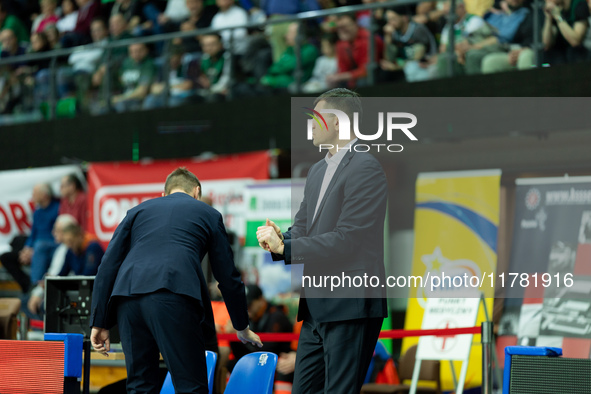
[111, 204]
[345, 129]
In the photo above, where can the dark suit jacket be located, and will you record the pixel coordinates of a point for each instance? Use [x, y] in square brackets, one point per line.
[346, 237]
[160, 245]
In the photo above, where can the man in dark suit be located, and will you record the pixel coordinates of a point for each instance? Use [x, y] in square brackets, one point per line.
[338, 231]
[151, 284]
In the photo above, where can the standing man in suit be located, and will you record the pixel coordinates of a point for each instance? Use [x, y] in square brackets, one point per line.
[338, 230]
[151, 284]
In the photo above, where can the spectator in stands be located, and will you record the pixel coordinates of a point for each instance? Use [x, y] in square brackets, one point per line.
[162, 22]
[11, 22]
[11, 92]
[118, 31]
[36, 74]
[275, 9]
[131, 10]
[53, 36]
[67, 22]
[40, 244]
[264, 317]
[200, 17]
[87, 12]
[519, 55]
[230, 15]
[505, 25]
[135, 76]
[352, 53]
[281, 73]
[35, 301]
[565, 27]
[465, 29]
[215, 68]
[410, 46]
[84, 252]
[47, 16]
[182, 81]
[73, 199]
[325, 65]
[76, 77]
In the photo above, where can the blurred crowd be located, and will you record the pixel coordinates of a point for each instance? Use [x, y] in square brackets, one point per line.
[411, 43]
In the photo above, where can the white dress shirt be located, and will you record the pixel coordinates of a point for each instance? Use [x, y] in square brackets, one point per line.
[332, 163]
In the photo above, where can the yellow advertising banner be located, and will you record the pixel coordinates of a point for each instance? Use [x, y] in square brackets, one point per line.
[456, 225]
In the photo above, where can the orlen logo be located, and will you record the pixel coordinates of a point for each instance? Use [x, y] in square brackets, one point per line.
[345, 129]
[111, 204]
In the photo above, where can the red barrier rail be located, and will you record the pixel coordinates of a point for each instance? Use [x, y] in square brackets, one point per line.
[439, 332]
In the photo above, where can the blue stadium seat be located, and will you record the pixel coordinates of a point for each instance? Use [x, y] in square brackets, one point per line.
[253, 374]
[210, 358]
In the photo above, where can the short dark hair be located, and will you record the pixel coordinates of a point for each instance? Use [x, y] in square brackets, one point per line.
[183, 179]
[72, 178]
[350, 15]
[343, 99]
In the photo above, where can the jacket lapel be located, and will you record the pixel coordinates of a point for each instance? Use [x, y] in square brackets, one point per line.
[335, 177]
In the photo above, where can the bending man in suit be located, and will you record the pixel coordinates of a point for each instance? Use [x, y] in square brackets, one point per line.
[338, 230]
[151, 284]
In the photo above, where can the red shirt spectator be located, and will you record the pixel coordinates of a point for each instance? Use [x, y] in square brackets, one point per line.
[352, 51]
[73, 199]
[89, 9]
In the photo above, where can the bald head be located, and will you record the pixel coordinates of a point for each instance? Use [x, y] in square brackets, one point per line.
[42, 194]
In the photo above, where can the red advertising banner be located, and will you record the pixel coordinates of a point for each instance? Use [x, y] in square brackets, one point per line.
[114, 188]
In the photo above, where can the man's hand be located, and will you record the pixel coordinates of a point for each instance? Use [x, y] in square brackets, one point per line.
[286, 363]
[99, 338]
[25, 255]
[514, 56]
[247, 336]
[34, 304]
[269, 240]
[277, 230]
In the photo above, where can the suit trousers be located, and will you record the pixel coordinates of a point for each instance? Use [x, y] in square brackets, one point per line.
[333, 357]
[167, 323]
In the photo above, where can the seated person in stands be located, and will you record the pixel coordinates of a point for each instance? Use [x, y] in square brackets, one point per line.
[409, 46]
[75, 79]
[519, 55]
[215, 68]
[67, 21]
[228, 15]
[200, 17]
[35, 302]
[502, 31]
[352, 53]
[325, 65]
[73, 199]
[281, 73]
[36, 74]
[9, 21]
[466, 28]
[136, 75]
[47, 16]
[264, 317]
[84, 252]
[40, 244]
[131, 10]
[565, 27]
[87, 12]
[11, 92]
[182, 80]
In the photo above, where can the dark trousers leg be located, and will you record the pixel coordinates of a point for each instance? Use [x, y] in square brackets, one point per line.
[343, 350]
[175, 324]
[139, 346]
[10, 262]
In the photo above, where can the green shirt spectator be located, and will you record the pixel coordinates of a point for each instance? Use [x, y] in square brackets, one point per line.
[281, 73]
[13, 23]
